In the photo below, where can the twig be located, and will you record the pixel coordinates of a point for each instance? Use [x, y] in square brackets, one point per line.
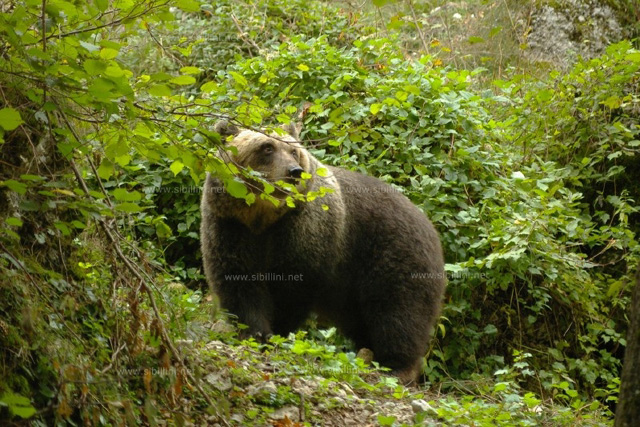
[243, 37]
[108, 24]
[415, 22]
[167, 52]
[44, 26]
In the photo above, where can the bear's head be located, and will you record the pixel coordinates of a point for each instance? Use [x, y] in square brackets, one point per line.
[278, 159]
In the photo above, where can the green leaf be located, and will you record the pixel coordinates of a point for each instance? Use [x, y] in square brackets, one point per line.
[386, 420]
[105, 170]
[94, 67]
[188, 5]
[97, 194]
[190, 70]
[289, 202]
[633, 57]
[160, 77]
[78, 224]
[490, 329]
[66, 231]
[322, 172]
[236, 188]
[16, 186]
[129, 207]
[176, 167]
[375, 108]
[380, 3]
[183, 80]
[10, 118]
[163, 230]
[268, 188]
[101, 89]
[544, 95]
[475, 39]
[34, 178]
[18, 405]
[494, 31]
[303, 67]
[108, 53]
[612, 102]
[123, 160]
[160, 90]
[16, 222]
[126, 196]
[102, 5]
[209, 87]
[500, 386]
[89, 46]
[402, 95]
[114, 71]
[239, 78]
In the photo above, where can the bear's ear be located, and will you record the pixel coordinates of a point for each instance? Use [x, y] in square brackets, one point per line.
[295, 126]
[225, 129]
[293, 129]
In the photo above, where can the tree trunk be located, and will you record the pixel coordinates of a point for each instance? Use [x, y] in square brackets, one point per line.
[628, 411]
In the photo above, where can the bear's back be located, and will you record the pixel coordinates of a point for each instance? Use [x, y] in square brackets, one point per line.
[382, 220]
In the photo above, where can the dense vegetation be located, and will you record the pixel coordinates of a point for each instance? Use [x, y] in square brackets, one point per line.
[107, 110]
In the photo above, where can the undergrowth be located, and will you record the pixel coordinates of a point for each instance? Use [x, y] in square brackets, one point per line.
[105, 136]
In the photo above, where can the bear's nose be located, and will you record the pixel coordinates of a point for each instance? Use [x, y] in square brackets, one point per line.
[295, 171]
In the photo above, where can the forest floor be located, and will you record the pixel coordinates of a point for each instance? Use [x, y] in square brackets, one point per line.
[296, 382]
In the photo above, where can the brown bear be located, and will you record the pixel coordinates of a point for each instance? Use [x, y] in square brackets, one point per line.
[363, 256]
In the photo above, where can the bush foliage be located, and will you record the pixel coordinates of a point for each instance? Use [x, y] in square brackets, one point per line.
[106, 133]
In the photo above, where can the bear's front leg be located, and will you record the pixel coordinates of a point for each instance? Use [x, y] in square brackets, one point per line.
[252, 305]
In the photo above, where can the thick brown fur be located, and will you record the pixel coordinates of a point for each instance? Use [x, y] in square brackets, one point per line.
[372, 263]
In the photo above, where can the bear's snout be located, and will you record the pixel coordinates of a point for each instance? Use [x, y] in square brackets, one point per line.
[295, 171]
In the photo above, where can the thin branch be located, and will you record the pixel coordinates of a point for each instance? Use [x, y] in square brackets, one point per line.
[44, 26]
[167, 52]
[108, 24]
[415, 22]
[243, 36]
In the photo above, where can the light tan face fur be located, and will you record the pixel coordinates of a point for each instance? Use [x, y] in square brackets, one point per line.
[275, 157]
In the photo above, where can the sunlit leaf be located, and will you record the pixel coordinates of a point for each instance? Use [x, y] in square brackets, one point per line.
[14, 185]
[183, 80]
[126, 196]
[238, 78]
[236, 188]
[10, 118]
[176, 167]
[108, 53]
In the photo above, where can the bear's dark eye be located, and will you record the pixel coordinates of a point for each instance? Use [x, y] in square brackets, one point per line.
[267, 148]
[294, 153]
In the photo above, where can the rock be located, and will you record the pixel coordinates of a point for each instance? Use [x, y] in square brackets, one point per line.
[420, 405]
[291, 412]
[563, 31]
[263, 391]
[389, 405]
[366, 355]
[304, 386]
[219, 380]
[239, 418]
